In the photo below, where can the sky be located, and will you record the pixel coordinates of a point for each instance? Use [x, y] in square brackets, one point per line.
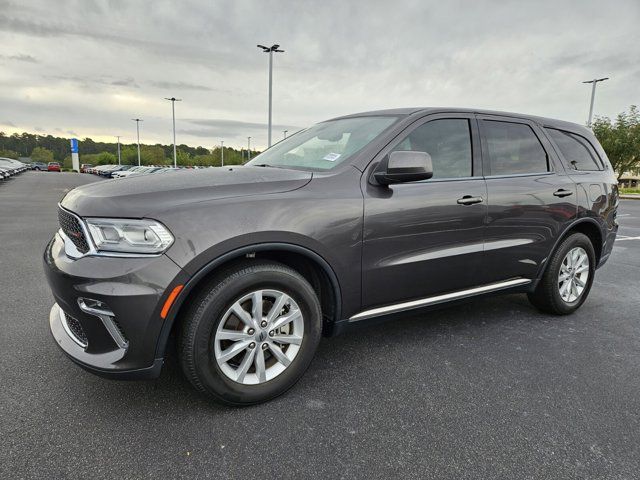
[85, 68]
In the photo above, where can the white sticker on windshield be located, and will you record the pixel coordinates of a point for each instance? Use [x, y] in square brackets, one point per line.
[331, 157]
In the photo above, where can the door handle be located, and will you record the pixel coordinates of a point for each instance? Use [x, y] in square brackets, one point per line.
[562, 193]
[469, 200]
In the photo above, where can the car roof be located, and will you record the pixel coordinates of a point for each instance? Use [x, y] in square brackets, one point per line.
[420, 111]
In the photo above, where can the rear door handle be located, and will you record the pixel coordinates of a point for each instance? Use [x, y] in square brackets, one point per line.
[562, 193]
[469, 200]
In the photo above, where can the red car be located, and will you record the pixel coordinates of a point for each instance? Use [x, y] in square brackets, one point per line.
[53, 167]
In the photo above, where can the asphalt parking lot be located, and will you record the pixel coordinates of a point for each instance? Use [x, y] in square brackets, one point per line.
[489, 389]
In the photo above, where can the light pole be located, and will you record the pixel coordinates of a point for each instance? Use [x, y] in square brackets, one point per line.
[118, 137]
[173, 101]
[138, 120]
[593, 96]
[248, 148]
[270, 50]
[285, 133]
[222, 153]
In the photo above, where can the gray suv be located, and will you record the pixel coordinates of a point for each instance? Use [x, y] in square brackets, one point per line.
[359, 218]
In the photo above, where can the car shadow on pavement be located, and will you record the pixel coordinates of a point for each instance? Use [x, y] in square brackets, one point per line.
[336, 360]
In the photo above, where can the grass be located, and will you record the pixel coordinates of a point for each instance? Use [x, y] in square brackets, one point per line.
[630, 190]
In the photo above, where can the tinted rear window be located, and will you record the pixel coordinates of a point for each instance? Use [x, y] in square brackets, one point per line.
[578, 153]
[513, 148]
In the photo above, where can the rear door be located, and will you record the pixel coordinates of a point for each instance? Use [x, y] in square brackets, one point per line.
[531, 199]
[425, 238]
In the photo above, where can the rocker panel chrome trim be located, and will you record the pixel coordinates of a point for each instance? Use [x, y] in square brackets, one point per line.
[423, 302]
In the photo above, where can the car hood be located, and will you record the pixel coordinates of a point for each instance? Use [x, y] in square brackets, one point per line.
[140, 196]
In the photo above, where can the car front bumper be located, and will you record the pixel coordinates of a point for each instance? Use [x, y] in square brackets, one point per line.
[107, 312]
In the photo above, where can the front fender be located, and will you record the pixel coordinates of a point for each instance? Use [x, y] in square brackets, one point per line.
[240, 252]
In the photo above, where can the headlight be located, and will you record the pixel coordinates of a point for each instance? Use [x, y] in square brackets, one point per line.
[129, 236]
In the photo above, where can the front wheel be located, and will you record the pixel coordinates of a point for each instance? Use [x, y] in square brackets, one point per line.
[567, 280]
[250, 333]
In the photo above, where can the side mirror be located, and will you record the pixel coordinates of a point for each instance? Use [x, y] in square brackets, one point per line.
[405, 167]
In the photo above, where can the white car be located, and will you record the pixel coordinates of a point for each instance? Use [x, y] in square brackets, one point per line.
[131, 171]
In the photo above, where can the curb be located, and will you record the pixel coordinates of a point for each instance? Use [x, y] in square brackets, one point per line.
[630, 196]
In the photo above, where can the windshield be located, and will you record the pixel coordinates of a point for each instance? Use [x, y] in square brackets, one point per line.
[325, 145]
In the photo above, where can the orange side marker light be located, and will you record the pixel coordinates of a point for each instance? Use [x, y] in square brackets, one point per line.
[170, 299]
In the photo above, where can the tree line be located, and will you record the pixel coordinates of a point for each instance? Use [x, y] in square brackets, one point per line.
[619, 137]
[48, 148]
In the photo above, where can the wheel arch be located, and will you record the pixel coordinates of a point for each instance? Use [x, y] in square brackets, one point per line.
[308, 263]
[589, 227]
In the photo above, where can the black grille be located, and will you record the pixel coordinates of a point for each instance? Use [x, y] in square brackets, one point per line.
[76, 328]
[70, 225]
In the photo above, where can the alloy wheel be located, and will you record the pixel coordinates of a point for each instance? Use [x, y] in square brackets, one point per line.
[573, 275]
[258, 336]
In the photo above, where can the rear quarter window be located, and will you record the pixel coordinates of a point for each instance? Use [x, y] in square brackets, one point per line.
[577, 151]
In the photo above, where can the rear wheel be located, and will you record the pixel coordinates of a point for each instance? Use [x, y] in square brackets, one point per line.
[251, 333]
[567, 280]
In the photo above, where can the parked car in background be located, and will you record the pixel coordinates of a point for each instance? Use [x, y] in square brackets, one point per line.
[85, 167]
[354, 219]
[8, 171]
[40, 166]
[109, 169]
[13, 167]
[96, 170]
[119, 168]
[135, 171]
[125, 173]
[53, 167]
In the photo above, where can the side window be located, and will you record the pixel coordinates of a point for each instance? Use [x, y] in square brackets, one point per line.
[448, 141]
[513, 148]
[576, 150]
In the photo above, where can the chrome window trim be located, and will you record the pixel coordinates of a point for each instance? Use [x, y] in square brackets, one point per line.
[400, 307]
[515, 175]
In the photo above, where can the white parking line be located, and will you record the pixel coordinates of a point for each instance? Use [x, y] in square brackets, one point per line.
[622, 237]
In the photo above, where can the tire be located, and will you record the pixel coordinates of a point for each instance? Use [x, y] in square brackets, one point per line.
[548, 297]
[201, 349]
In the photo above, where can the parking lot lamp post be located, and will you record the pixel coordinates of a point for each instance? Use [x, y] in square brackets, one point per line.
[593, 96]
[138, 120]
[222, 153]
[270, 50]
[173, 101]
[248, 148]
[118, 137]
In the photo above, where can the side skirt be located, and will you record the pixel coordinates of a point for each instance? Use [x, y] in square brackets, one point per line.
[427, 302]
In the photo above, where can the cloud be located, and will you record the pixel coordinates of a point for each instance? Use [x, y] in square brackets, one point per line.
[92, 82]
[97, 64]
[179, 86]
[220, 128]
[124, 82]
[21, 57]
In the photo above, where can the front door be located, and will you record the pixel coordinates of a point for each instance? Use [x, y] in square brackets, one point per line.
[425, 238]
